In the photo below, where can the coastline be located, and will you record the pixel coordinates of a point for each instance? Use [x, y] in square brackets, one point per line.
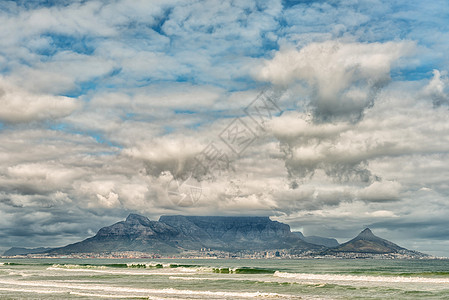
[264, 255]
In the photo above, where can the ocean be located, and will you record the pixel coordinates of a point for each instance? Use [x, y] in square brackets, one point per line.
[223, 279]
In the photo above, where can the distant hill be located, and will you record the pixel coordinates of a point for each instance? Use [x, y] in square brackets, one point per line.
[24, 251]
[367, 242]
[176, 234]
[173, 234]
[318, 240]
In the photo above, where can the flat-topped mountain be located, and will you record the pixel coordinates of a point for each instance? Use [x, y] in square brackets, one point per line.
[176, 234]
[367, 242]
[173, 234]
[237, 233]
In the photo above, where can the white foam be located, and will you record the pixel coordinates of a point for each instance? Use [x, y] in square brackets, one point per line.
[195, 270]
[109, 296]
[114, 272]
[357, 278]
[71, 266]
[15, 273]
[176, 266]
[216, 278]
[150, 264]
[37, 291]
[193, 278]
[134, 291]
[137, 271]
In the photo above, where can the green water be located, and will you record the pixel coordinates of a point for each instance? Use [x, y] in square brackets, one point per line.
[223, 279]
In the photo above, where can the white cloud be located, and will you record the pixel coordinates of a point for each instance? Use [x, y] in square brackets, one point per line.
[383, 214]
[342, 77]
[438, 88]
[169, 153]
[381, 191]
[19, 105]
[62, 73]
[401, 123]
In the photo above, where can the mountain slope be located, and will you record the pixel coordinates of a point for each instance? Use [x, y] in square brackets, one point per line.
[136, 233]
[24, 251]
[367, 242]
[172, 234]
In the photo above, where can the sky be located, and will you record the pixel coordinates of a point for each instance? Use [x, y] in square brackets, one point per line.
[330, 116]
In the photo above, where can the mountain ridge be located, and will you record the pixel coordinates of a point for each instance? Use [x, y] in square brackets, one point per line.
[175, 234]
[368, 243]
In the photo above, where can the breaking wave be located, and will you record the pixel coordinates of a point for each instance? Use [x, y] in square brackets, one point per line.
[359, 278]
[243, 270]
[35, 286]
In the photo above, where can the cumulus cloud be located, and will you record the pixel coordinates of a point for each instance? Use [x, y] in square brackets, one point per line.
[20, 106]
[438, 88]
[381, 191]
[176, 155]
[343, 78]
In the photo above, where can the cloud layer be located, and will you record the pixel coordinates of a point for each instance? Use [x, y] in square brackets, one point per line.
[343, 78]
[105, 105]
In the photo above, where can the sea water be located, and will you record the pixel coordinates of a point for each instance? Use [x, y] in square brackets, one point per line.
[223, 279]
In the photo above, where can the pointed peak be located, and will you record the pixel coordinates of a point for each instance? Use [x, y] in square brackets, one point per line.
[366, 233]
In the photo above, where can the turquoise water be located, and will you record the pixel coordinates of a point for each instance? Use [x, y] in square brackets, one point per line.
[223, 279]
